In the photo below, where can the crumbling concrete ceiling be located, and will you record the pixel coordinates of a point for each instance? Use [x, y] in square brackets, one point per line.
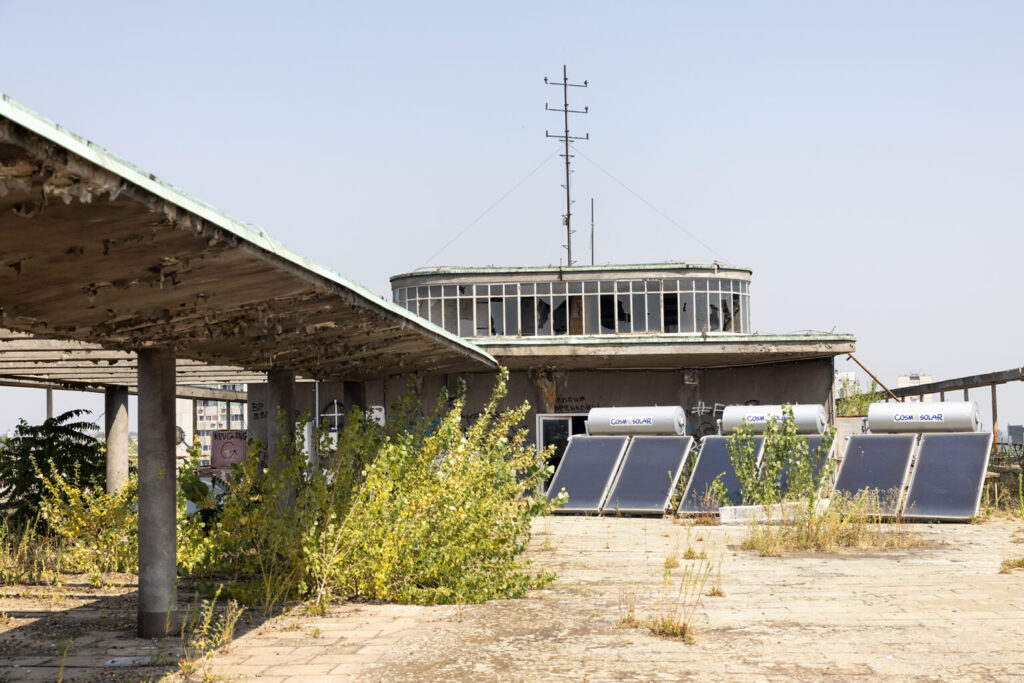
[92, 251]
[28, 359]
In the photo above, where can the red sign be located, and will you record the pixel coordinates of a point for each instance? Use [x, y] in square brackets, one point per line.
[228, 448]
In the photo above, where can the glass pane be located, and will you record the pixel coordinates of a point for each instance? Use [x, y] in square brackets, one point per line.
[435, 312]
[622, 315]
[451, 315]
[700, 312]
[422, 292]
[591, 315]
[526, 288]
[607, 313]
[483, 318]
[497, 315]
[527, 306]
[654, 285]
[737, 313]
[726, 312]
[555, 431]
[654, 312]
[449, 290]
[575, 314]
[607, 286]
[747, 327]
[543, 288]
[511, 316]
[435, 290]
[671, 285]
[497, 290]
[482, 289]
[511, 289]
[690, 285]
[422, 309]
[671, 312]
[714, 318]
[686, 312]
[575, 287]
[639, 313]
[466, 317]
[559, 315]
[465, 290]
[636, 286]
[543, 315]
[558, 288]
[590, 286]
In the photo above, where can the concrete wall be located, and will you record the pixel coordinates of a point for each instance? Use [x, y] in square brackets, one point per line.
[702, 393]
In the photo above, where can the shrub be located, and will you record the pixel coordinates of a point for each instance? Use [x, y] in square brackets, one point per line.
[59, 447]
[420, 510]
[787, 470]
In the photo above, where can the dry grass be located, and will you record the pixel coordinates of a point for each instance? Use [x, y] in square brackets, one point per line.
[1009, 566]
[627, 608]
[848, 523]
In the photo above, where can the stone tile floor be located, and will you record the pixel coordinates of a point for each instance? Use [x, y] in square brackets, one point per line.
[942, 611]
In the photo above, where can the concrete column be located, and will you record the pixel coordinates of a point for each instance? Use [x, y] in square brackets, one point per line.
[49, 404]
[280, 396]
[157, 542]
[116, 416]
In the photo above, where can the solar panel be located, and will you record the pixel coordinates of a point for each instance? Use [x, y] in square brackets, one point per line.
[712, 461]
[948, 476]
[649, 474]
[876, 461]
[813, 443]
[586, 471]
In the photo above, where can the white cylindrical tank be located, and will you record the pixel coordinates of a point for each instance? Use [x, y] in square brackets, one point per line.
[637, 420]
[948, 416]
[810, 418]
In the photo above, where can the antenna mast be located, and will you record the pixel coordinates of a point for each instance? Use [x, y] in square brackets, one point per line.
[566, 138]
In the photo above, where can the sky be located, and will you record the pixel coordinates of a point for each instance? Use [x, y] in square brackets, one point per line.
[864, 159]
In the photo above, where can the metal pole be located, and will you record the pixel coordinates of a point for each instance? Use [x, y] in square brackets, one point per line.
[49, 404]
[995, 420]
[157, 505]
[591, 231]
[568, 198]
[871, 374]
[966, 396]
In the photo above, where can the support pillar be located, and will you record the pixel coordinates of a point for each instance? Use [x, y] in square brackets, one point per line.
[49, 404]
[995, 420]
[280, 397]
[157, 542]
[115, 401]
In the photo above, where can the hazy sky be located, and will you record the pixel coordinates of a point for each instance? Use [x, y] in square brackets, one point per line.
[865, 159]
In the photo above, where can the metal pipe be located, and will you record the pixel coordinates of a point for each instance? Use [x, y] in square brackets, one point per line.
[871, 374]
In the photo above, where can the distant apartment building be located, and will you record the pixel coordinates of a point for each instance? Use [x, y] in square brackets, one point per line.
[213, 415]
[913, 379]
[844, 380]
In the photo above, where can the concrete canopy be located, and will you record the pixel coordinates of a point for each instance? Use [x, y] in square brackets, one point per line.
[95, 250]
[664, 350]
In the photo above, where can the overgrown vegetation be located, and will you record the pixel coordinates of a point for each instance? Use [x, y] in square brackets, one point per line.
[854, 400]
[422, 509]
[860, 522]
[60, 447]
[786, 471]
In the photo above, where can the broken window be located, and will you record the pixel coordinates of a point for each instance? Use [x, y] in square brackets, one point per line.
[700, 311]
[544, 315]
[559, 316]
[527, 307]
[607, 313]
[622, 315]
[466, 317]
[575, 312]
[671, 309]
[511, 316]
[592, 314]
[497, 315]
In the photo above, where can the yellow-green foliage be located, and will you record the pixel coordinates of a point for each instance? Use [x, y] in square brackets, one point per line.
[99, 531]
[443, 517]
[421, 510]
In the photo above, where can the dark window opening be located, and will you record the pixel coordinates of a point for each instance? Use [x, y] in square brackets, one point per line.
[671, 310]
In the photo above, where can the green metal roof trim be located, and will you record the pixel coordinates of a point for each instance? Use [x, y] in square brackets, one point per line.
[490, 270]
[44, 127]
[696, 339]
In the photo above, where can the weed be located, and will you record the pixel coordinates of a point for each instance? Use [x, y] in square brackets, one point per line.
[65, 645]
[315, 633]
[678, 604]
[716, 583]
[627, 607]
[201, 634]
[1009, 566]
[862, 521]
[672, 561]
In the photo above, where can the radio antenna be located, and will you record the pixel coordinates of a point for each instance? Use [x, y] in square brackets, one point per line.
[566, 138]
